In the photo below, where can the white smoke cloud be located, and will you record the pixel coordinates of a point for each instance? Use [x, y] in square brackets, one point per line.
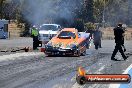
[38, 11]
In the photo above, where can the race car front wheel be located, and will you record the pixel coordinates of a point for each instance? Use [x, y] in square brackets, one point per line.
[78, 53]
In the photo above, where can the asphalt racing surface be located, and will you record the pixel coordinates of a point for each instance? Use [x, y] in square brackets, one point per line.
[36, 70]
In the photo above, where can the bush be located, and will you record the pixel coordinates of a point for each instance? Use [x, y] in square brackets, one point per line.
[89, 27]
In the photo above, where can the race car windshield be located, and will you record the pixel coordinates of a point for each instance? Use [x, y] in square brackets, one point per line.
[49, 27]
[66, 34]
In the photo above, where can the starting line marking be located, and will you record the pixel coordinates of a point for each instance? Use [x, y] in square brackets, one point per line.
[128, 70]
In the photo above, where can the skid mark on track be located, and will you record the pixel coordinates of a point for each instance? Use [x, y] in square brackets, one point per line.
[96, 65]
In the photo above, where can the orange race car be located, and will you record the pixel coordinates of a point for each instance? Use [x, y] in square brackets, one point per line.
[68, 42]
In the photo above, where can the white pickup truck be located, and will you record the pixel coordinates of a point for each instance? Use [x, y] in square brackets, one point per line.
[47, 31]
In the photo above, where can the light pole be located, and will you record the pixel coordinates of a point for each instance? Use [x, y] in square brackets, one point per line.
[103, 20]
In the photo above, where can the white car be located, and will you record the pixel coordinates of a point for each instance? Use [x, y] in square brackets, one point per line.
[47, 31]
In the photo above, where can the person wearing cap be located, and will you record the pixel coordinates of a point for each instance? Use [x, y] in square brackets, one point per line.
[119, 40]
[34, 34]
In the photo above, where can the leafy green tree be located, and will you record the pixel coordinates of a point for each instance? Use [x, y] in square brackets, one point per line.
[1, 8]
[100, 7]
[88, 10]
[69, 13]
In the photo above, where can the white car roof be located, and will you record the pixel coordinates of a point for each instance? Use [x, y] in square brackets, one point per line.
[51, 24]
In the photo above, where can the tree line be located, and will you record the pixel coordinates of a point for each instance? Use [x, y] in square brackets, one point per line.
[69, 13]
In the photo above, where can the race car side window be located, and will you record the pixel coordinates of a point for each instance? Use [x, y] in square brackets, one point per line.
[73, 35]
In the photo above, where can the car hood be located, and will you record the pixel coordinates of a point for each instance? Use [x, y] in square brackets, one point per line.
[62, 43]
[47, 32]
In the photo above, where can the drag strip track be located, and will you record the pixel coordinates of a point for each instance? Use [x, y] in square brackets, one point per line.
[35, 70]
[30, 70]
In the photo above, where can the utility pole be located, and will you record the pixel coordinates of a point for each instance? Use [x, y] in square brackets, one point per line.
[129, 12]
[103, 20]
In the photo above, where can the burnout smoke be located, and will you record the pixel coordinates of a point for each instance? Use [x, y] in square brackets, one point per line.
[48, 11]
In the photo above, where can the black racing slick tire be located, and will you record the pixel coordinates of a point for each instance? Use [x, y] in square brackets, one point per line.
[84, 53]
[78, 53]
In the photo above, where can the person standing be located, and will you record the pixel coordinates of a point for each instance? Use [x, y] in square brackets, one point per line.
[100, 36]
[97, 38]
[124, 29]
[119, 40]
[34, 34]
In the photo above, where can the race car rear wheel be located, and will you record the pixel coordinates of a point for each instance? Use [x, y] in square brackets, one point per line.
[84, 53]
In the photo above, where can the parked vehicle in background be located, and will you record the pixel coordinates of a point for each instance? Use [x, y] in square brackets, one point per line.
[3, 29]
[47, 31]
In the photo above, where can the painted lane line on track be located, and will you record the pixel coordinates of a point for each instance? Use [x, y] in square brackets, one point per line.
[127, 85]
[76, 85]
[128, 70]
[98, 72]
[17, 55]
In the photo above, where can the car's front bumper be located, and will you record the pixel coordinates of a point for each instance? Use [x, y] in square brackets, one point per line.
[53, 51]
